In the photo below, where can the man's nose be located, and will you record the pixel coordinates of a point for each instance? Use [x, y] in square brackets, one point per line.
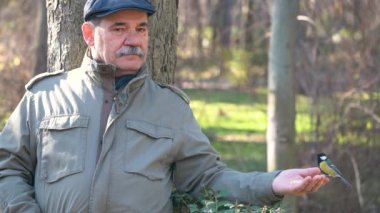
[133, 38]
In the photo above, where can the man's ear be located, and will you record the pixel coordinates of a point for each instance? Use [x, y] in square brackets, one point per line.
[88, 33]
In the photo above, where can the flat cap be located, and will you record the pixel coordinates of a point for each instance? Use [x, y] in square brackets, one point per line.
[101, 8]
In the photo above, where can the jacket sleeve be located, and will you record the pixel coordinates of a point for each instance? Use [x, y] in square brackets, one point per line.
[198, 166]
[17, 162]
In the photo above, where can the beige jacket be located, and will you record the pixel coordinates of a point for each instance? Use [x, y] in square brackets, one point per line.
[75, 145]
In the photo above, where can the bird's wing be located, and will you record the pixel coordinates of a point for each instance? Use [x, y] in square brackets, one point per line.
[328, 161]
[338, 173]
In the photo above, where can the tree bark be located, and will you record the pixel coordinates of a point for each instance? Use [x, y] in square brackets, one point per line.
[65, 42]
[162, 58]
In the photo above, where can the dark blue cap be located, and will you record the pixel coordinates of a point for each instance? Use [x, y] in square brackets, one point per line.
[101, 8]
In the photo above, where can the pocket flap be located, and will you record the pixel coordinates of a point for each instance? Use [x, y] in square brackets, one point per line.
[149, 175]
[149, 129]
[61, 122]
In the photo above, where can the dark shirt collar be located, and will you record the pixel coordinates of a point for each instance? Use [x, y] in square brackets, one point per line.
[105, 74]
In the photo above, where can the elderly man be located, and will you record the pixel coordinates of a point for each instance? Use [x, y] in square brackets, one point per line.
[106, 138]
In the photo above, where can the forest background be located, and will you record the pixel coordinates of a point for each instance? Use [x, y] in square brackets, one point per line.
[222, 62]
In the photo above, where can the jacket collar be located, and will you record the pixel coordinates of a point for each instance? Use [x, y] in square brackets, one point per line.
[104, 75]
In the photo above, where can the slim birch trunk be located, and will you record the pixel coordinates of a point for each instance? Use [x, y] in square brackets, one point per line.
[281, 98]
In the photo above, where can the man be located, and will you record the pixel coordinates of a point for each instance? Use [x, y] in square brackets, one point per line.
[106, 138]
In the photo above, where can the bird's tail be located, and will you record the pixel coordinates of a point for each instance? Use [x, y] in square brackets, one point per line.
[345, 181]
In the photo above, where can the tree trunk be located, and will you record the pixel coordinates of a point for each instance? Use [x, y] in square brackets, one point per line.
[198, 23]
[41, 52]
[214, 22]
[281, 100]
[65, 42]
[226, 22]
[221, 33]
[250, 21]
[163, 26]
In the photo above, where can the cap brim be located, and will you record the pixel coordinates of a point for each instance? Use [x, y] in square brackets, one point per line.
[101, 14]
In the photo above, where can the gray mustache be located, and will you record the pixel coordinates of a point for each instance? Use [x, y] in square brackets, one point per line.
[130, 50]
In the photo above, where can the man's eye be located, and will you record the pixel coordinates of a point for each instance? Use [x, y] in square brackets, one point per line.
[141, 30]
[118, 29]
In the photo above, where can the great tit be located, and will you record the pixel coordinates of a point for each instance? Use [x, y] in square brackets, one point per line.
[329, 169]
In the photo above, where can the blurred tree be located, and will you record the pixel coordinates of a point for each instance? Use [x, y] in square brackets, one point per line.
[214, 34]
[222, 24]
[225, 22]
[17, 50]
[41, 52]
[250, 20]
[281, 100]
[198, 23]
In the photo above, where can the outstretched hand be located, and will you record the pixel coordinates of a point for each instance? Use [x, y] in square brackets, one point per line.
[299, 181]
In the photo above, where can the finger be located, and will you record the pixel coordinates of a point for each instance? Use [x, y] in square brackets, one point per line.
[301, 187]
[314, 183]
[310, 171]
[324, 180]
[327, 180]
[318, 185]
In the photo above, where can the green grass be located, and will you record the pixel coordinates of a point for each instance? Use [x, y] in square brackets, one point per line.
[235, 122]
[235, 112]
[243, 156]
[229, 112]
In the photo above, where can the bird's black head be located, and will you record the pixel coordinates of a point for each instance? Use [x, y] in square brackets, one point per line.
[321, 157]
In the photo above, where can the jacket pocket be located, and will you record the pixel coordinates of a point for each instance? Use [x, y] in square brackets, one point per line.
[63, 140]
[148, 150]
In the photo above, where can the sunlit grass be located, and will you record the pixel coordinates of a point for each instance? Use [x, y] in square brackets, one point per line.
[227, 118]
[233, 112]
[236, 124]
[242, 156]
[229, 111]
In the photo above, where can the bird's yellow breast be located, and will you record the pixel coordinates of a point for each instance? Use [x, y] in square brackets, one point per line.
[326, 169]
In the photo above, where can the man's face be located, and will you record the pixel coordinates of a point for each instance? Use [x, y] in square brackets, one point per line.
[115, 34]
